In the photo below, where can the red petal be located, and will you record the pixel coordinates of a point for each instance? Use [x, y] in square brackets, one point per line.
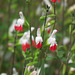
[53, 0]
[68, 68]
[33, 43]
[59, 0]
[17, 28]
[51, 48]
[39, 45]
[27, 45]
[55, 46]
[24, 47]
[49, 30]
[21, 28]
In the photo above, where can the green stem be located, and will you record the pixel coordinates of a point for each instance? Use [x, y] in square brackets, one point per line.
[55, 16]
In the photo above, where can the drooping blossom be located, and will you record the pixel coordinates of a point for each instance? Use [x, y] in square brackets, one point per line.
[11, 28]
[30, 67]
[10, 44]
[25, 40]
[72, 69]
[3, 74]
[72, 8]
[15, 71]
[52, 41]
[38, 39]
[20, 22]
[66, 40]
[55, 0]
[34, 73]
[33, 41]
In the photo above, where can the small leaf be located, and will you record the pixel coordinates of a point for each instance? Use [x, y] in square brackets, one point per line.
[60, 54]
[50, 58]
[71, 65]
[20, 34]
[51, 23]
[43, 17]
[73, 31]
[52, 15]
[69, 28]
[29, 58]
[73, 47]
[64, 59]
[24, 54]
[32, 63]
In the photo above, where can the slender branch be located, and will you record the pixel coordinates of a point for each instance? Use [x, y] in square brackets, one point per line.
[55, 16]
[13, 61]
[69, 55]
[45, 23]
[63, 21]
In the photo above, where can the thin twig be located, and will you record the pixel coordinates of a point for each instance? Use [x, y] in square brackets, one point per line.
[45, 22]
[13, 61]
[63, 21]
[55, 16]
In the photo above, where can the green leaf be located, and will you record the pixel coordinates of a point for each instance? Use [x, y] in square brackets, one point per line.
[26, 22]
[60, 54]
[20, 34]
[73, 47]
[52, 15]
[73, 32]
[29, 58]
[17, 44]
[51, 23]
[50, 58]
[64, 59]
[24, 54]
[27, 72]
[43, 17]
[69, 28]
[32, 63]
[71, 65]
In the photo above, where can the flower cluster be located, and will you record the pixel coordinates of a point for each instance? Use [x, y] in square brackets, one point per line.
[25, 39]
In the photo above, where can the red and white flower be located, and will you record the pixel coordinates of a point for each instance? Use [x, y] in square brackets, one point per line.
[20, 22]
[25, 43]
[52, 41]
[38, 39]
[55, 0]
[25, 40]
